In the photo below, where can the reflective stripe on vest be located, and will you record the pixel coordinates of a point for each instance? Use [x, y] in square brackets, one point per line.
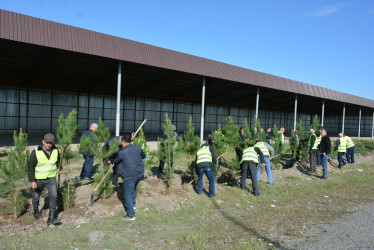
[263, 148]
[204, 155]
[318, 140]
[46, 168]
[282, 137]
[350, 143]
[315, 145]
[343, 145]
[249, 154]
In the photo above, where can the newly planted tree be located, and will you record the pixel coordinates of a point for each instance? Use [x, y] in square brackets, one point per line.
[248, 133]
[257, 131]
[189, 143]
[232, 141]
[315, 123]
[166, 146]
[66, 131]
[303, 135]
[141, 142]
[14, 171]
[95, 146]
[277, 148]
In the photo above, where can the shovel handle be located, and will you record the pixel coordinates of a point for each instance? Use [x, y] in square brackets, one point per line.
[111, 166]
[137, 131]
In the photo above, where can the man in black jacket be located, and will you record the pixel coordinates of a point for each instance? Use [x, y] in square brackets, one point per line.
[88, 156]
[42, 170]
[325, 150]
[131, 169]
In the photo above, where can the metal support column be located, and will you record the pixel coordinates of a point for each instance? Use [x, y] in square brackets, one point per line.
[257, 100]
[202, 113]
[359, 124]
[118, 114]
[295, 114]
[343, 119]
[323, 112]
[372, 128]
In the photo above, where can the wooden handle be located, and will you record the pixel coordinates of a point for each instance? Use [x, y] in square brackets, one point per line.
[104, 177]
[137, 131]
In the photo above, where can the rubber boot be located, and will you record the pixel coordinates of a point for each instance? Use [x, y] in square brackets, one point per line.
[52, 218]
[37, 214]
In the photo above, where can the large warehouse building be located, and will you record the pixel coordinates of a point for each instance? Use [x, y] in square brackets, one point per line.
[47, 68]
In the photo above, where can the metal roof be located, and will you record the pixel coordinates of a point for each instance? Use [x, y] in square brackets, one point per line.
[166, 65]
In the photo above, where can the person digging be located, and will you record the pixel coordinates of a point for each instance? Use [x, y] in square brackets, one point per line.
[42, 171]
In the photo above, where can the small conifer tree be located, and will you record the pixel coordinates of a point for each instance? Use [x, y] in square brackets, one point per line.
[141, 142]
[100, 136]
[303, 135]
[277, 148]
[232, 141]
[14, 171]
[66, 131]
[190, 144]
[248, 133]
[315, 123]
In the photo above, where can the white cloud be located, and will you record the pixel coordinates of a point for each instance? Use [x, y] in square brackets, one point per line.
[327, 10]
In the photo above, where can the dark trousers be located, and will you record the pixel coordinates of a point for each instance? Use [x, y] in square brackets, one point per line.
[51, 185]
[210, 175]
[252, 167]
[87, 166]
[115, 175]
[351, 154]
[129, 193]
[312, 160]
[341, 159]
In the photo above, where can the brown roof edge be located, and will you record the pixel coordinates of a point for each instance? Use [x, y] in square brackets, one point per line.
[27, 29]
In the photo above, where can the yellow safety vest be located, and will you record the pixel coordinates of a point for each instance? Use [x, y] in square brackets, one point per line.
[350, 143]
[46, 168]
[263, 148]
[343, 145]
[282, 137]
[249, 154]
[318, 141]
[204, 155]
[310, 141]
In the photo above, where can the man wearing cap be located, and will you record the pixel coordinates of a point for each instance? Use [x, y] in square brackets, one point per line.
[249, 162]
[162, 163]
[312, 148]
[42, 171]
[88, 156]
[341, 146]
[268, 153]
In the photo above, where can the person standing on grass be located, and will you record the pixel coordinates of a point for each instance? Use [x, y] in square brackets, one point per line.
[88, 156]
[325, 149]
[268, 152]
[42, 173]
[205, 157]
[318, 141]
[312, 148]
[249, 160]
[341, 146]
[350, 149]
[131, 169]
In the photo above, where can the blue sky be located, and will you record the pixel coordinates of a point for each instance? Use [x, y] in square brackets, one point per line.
[320, 42]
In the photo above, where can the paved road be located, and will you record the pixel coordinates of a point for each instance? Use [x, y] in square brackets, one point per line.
[353, 232]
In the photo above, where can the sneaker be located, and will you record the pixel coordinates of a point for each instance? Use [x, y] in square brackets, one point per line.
[126, 217]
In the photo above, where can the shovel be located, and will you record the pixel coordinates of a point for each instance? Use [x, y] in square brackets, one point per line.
[93, 193]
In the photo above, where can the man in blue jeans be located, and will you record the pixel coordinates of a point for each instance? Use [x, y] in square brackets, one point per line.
[205, 157]
[325, 149]
[341, 146]
[131, 169]
[88, 156]
[268, 153]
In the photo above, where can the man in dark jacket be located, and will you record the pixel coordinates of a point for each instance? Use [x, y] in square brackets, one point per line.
[42, 170]
[131, 169]
[312, 149]
[112, 157]
[88, 156]
[325, 150]
[206, 156]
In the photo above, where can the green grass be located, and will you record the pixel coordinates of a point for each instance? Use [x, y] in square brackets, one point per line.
[234, 219]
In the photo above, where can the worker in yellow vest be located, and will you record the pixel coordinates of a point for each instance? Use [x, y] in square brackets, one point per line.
[312, 149]
[281, 136]
[318, 141]
[350, 149]
[268, 152]
[42, 172]
[341, 147]
[249, 161]
[206, 157]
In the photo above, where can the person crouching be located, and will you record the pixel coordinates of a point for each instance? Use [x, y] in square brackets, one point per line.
[205, 157]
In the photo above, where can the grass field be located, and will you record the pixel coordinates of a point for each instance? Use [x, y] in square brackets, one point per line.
[233, 219]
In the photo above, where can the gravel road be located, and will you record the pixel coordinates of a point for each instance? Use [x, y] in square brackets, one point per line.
[355, 231]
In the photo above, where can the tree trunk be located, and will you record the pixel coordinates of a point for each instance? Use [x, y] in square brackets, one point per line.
[15, 203]
[60, 165]
[68, 197]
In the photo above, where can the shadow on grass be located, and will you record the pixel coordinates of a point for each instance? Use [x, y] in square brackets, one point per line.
[302, 168]
[245, 227]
